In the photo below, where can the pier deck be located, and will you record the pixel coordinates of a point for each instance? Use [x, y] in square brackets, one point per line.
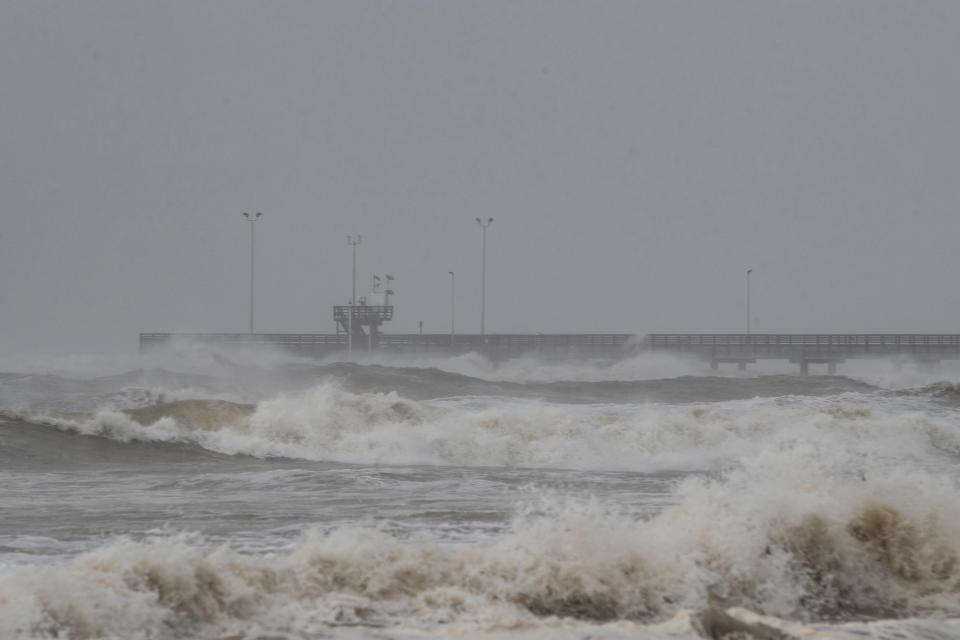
[805, 349]
[319, 345]
[716, 348]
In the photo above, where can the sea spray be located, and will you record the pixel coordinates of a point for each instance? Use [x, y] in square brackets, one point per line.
[331, 424]
[807, 542]
[283, 499]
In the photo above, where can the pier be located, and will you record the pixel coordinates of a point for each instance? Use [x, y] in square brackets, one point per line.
[805, 349]
[494, 346]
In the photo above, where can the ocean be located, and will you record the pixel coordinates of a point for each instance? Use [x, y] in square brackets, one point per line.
[192, 493]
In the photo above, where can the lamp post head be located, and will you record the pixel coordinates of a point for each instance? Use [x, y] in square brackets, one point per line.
[451, 273]
[252, 218]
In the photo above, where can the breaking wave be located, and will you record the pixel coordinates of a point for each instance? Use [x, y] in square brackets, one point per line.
[791, 535]
[946, 392]
[331, 424]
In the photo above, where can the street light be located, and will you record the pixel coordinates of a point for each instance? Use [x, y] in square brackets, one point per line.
[483, 277]
[749, 271]
[389, 291]
[453, 308]
[353, 242]
[251, 219]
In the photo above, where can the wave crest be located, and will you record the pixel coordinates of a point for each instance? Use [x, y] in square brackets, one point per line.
[802, 546]
[329, 424]
[209, 415]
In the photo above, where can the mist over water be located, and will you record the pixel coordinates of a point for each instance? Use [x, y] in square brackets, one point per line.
[199, 493]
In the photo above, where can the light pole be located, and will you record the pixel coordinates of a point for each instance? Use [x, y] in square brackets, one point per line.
[453, 307]
[483, 277]
[749, 271]
[353, 242]
[251, 219]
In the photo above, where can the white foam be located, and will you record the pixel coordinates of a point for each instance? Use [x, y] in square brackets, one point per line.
[182, 354]
[790, 534]
[908, 375]
[328, 423]
[532, 368]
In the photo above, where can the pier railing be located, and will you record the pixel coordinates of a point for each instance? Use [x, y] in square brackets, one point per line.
[807, 346]
[825, 339]
[802, 348]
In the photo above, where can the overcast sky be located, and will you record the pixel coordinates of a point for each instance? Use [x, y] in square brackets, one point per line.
[637, 157]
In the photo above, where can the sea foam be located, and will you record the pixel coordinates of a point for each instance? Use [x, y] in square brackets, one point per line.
[330, 424]
[788, 535]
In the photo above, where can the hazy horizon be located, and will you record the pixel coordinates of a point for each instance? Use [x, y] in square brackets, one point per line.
[637, 159]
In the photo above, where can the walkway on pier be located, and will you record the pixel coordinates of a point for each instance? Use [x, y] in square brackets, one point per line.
[805, 349]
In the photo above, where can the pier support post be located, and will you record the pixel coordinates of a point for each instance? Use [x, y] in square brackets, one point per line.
[742, 366]
[804, 368]
[832, 368]
[714, 365]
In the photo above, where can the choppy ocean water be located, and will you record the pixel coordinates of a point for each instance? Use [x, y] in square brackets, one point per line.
[193, 494]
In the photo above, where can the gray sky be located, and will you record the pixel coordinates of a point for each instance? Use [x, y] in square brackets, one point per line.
[638, 157]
